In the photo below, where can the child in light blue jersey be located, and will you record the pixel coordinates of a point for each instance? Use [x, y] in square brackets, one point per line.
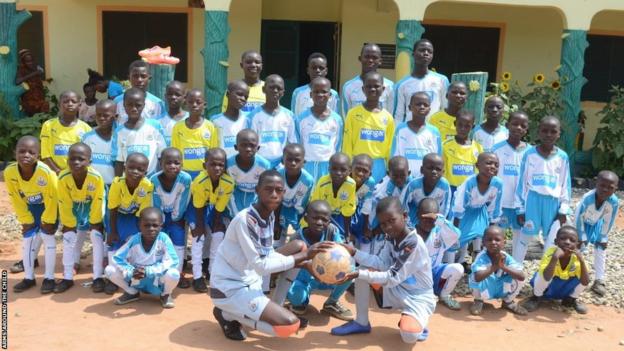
[431, 185]
[595, 216]
[490, 132]
[174, 96]
[100, 140]
[172, 194]
[544, 187]
[361, 170]
[302, 99]
[139, 77]
[319, 129]
[245, 167]
[233, 119]
[393, 184]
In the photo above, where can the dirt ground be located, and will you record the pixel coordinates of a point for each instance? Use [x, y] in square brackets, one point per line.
[79, 319]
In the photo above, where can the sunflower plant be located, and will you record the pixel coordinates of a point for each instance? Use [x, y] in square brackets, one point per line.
[608, 151]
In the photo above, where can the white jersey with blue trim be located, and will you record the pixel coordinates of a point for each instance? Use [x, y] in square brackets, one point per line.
[160, 258]
[227, 130]
[275, 130]
[546, 176]
[154, 108]
[302, 101]
[175, 201]
[246, 253]
[101, 155]
[415, 192]
[433, 84]
[404, 268]
[295, 198]
[382, 190]
[509, 159]
[441, 238]
[167, 123]
[246, 180]
[488, 140]
[353, 95]
[148, 139]
[320, 138]
[588, 213]
[365, 196]
[415, 146]
[468, 196]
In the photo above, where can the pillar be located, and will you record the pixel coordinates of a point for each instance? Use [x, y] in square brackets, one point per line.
[216, 54]
[408, 32]
[161, 74]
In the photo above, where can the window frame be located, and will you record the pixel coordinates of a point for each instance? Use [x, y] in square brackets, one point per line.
[46, 34]
[607, 33]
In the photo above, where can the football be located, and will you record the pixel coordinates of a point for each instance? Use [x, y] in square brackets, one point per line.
[331, 266]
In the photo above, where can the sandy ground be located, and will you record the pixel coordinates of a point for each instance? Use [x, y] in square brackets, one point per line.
[79, 319]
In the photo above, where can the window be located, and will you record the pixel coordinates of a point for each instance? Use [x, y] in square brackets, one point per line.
[30, 36]
[603, 67]
[125, 33]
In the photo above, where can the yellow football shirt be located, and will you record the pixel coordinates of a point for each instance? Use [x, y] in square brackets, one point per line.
[445, 124]
[71, 197]
[120, 198]
[367, 132]
[41, 188]
[572, 270]
[256, 98]
[56, 139]
[204, 194]
[460, 161]
[193, 143]
[344, 202]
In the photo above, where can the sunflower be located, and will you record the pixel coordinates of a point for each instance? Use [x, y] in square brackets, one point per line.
[539, 78]
[555, 85]
[474, 85]
[504, 87]
[506, 76]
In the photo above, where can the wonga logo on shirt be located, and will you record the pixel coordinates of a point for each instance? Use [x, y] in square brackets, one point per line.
[544, 180]
[273, 136]
[319, 139]
[101, 159]
[463, 170]
[511, 170]
[372, 134]
[229, 141]
[142, 149]
[415, 154]
[194, 153]
[61, 149]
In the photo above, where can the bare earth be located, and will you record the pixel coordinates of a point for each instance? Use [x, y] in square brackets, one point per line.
[79, 319]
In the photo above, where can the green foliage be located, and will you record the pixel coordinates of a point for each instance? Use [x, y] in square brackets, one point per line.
[608, 151]
[12, 128]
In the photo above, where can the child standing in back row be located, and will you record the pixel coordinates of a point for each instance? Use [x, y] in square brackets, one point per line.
[139, 77]
[174, 96]
[302, 98]
[233, 119]
[251, 63]
[100, 140]
[490, 132]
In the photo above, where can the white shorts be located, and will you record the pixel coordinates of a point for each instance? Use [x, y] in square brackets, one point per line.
[248, 302]
[419, 306]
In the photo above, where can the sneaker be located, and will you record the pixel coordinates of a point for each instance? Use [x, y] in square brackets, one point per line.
[167, 301]
[476, 308]
[424, 335]
[18, 267]
[298, 310]
[184, 283]
[24, 285]
[303, 322]
[199, 285]
[450, 302]
[98, 285]
[351, 327]
[231, 329]
[532, 303]
[599, 288]
[110, 288]
[337, 310]
[155, 51]
[515, 308]
[126, 298]
[47, 286]
[578, 306]
[63, 285]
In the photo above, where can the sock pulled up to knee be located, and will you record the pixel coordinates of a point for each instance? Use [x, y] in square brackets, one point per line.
[410, 329]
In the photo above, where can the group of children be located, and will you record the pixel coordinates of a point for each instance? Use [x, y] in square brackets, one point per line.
[407, 201]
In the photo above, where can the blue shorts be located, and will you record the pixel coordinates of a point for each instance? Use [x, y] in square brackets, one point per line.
[127, 225]
[317, 168]
[175, 230]
[37, 212]
[191, 217]
[509, 219]
[558, 289]
[81, 212]
[594, 232]
[473, 224]
[379, 168]
[357, 226]
[541, 212]
[494, 287]
[437, 275]
[149, 284]
[338, 221]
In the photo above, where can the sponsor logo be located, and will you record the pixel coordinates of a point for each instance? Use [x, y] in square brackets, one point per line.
[272, 136]
[319, 139]
[101, 159]
[194, 153]
[511, 170]
[463, 170]
[229, 141]
[35, 199]
[372, 135]
[546, 180]
[61, 149]
[142, 149]
[415, 154]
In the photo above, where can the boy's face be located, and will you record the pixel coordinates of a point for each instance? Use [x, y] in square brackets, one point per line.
[134, 104]
[425, 223]
[27, 153]
[317, 67]
[274, 89]
[488, 165]
[293, 161]
[252, 65]
[494, 240]
[398, 174]
[195, 103]
[423, 54]
[104, 116]
[318, 219]
[89, 91]
[361, 171]
[238, 96]
[373, 88]
[392, 222]
[215, 165]
[70, 102]
[567, 241]
[174, 95]
[78, 160]
[139, 77]
[432, 169]
[457, 95]
[150, 225]
[419, 106]
[320, 93]
[171, 164]
[549, 132]
[370, 58]
[494, 108]
[463, 125]
[136, 168]
[605, 187]
[247, 146]
[338, 170]
[270, 192]
[518, 125]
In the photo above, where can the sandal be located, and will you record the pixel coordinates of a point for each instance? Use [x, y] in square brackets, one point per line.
[476, 308]
[515, 308]
[450, 302]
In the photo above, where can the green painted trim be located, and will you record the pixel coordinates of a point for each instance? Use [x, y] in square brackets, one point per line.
[407, 33]
[10, 21]
[216, 55]
[161, 76]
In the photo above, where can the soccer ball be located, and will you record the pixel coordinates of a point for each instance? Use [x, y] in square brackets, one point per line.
[331, 266]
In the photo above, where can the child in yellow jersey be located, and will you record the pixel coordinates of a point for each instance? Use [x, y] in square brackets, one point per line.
[251, 63]
[58, 134]
[369, 128]
[444, 120]
[562, 273]
[460, 153]
[81, 208]
[194, 135]
[211, 192]
[32, 191]
[338, 189]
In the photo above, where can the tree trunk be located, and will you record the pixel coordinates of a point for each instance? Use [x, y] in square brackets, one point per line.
[216, 53]
[476, 82]
[161, 76]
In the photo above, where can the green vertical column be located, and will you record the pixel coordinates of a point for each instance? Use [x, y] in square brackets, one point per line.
[476, 82]
[162, 74]
[407, 33]
[10, 21]
[574, 43]
[216, 54]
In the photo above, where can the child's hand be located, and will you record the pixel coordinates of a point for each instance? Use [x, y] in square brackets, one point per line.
[579, 254]
[48, 228]
[432, 216]
[349, 248]
[368, 234]
[558, 253]
[348, 276]
[112, 237]
[498, 262]
[318, 248]
[197, 231]
[139, 273]
[27, 227]
[218, 227]
[562, 219]
[521, 219]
